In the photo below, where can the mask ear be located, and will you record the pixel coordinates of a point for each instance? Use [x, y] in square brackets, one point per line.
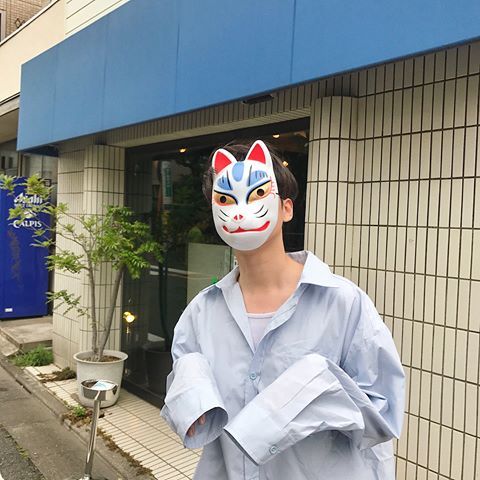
[259, 153]
[222, 159]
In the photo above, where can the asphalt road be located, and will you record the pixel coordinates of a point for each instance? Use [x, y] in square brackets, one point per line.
[15, 464]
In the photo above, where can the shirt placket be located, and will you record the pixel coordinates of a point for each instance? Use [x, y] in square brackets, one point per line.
[252, 471]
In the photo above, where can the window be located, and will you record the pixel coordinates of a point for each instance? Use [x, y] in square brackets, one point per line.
[44, 166]
[8, 158]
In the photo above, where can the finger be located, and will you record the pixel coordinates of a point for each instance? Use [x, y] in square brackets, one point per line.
[202, 420]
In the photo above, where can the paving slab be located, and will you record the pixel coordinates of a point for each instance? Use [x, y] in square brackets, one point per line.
[28, 333]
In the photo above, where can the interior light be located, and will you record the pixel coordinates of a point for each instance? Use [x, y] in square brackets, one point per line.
[183, 150]
[129, 317]
[276, 135]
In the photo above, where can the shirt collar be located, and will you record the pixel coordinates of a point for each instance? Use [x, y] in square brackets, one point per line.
[314, 272]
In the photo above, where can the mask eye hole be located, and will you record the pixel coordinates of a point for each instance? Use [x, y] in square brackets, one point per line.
[223, 199]
[260, 192]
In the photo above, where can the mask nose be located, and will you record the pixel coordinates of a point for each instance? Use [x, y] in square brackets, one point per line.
[238, 218]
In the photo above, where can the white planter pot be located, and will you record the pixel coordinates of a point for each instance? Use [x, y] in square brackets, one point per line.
[88, 370]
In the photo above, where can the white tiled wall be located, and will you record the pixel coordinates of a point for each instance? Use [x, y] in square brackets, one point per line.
[88, 181]
[393, 204]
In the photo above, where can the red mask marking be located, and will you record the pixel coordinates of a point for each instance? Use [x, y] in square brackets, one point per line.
[240, 230]
[257, 154]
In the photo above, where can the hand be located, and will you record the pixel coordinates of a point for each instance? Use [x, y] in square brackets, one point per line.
[191, 430]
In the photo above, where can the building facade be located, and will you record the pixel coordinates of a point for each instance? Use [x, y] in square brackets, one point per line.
[31, 27]
[14, 13]
[383, 138]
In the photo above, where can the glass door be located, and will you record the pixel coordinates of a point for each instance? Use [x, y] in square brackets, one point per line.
[164, 187]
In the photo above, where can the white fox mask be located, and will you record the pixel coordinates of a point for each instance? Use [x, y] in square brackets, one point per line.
[245, 198]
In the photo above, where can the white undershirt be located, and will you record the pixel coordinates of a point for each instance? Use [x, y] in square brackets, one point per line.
[258, 323]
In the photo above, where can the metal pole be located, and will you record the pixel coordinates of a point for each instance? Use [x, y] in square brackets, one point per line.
[93, 438]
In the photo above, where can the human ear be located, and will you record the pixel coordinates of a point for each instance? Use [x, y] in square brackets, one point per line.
[287, 209]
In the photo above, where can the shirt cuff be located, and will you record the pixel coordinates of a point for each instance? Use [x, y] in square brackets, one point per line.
[256, 437]
[192, 393]
[184, 411]
[262, 428]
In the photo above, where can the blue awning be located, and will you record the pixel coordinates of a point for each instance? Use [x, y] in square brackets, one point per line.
[150, 59]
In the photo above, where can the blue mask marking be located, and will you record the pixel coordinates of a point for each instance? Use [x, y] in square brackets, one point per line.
[237, 171]
[224, 183]
[255, 176]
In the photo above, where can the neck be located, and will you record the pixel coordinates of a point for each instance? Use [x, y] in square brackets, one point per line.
[267, 267]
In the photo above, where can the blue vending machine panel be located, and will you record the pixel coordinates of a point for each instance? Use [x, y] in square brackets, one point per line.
[23, 273]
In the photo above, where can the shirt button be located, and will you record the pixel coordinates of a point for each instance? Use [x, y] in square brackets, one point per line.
[253, 376]
[273, 449]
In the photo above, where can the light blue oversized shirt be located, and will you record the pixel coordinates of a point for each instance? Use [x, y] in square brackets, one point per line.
[319, 399]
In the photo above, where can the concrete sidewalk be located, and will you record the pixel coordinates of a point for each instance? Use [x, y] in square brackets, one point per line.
[57, 453]
[141, 437]
[135, 427]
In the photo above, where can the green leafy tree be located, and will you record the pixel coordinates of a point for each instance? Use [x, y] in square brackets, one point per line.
[115, 238]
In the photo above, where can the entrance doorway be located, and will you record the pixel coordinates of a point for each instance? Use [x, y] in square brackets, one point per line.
[164, 187]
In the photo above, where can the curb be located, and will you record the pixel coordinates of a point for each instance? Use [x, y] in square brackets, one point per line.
[115, 461]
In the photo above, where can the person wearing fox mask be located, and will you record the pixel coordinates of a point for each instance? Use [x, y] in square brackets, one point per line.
[282, 370]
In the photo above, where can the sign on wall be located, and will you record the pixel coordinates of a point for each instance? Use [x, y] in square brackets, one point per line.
[23, 274]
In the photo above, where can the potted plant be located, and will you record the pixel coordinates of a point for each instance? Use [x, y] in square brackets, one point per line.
[115, 238]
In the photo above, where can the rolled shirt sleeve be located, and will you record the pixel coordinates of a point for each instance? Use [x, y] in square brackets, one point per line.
[192, 389]
[192, 392]
[363, 398]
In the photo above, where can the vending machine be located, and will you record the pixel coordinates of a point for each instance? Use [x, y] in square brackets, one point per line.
[23, 273]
